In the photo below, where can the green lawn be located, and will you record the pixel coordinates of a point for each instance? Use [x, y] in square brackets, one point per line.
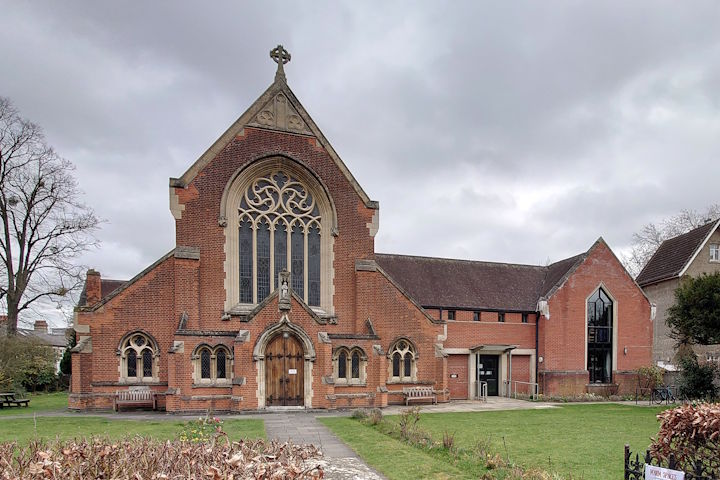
[25, 429]
[42, 402]
[78, 425]
[583, 440]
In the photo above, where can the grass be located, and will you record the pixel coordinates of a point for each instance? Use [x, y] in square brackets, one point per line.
[67, 428]
[41, 402]
[585, 441]
[393, 458]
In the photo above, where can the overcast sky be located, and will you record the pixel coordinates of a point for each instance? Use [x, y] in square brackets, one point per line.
[486, 130]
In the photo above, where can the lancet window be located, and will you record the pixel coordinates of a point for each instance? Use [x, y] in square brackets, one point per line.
[279, 229]
[212, 365]
[600, 336]
[403, 365]
[350, 365]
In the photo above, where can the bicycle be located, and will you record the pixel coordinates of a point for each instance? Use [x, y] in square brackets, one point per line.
[662, 394]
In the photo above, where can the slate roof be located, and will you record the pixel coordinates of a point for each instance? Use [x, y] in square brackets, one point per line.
[674, 254]
[107, 286]
[467, 284]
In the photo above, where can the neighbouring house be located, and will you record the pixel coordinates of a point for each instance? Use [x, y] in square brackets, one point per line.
[56, 338]
[273, 296]
[688, 255]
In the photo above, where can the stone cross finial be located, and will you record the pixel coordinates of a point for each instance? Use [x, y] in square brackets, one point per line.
[281, 57]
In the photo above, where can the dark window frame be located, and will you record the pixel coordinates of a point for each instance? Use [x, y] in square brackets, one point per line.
[501, 317]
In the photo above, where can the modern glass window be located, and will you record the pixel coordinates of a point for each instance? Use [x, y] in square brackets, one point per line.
[599, 334]
[501, 317]
[138, 358]
[476, 316]
[279, 228]
[403, 367]
[349, 365]
[212, 365]
[714, 252]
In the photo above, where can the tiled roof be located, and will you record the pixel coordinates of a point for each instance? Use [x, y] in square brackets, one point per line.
[107, 286]
[466, 284]
[674, 254]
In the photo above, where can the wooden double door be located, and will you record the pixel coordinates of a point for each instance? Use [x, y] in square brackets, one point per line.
[284, 372]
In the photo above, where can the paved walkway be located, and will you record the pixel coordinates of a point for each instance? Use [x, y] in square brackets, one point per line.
[339, 462]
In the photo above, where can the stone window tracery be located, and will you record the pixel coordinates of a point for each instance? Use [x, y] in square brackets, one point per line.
[349, 365]
[279, 226]
[212, 365]
[282, 202]
[138, 358]
[403, 365]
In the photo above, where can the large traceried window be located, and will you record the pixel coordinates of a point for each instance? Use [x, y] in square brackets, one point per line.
[349, 365]
[138, 358]
[279, 228]
[212, 365]
[600, 337]
[403, 366]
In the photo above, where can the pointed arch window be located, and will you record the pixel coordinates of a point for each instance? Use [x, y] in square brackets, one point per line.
[350, 365]
[403, 365]
[138, 358]
[600, 337]
[212, 365]
[279, 227]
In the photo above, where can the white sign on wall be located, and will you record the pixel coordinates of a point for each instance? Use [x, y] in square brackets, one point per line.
[292, 371]
[659, 473]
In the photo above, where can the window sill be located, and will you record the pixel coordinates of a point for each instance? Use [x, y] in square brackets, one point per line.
[139, 381]
[359, 384]
[405, 382]
[212, 385]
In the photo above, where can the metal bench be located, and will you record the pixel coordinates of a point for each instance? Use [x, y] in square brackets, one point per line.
[419, 393]
[134, 398]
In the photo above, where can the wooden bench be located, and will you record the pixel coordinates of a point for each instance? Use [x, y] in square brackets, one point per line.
[134, 398]
[419, 393]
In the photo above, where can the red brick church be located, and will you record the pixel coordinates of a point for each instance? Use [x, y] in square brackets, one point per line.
[274, 296]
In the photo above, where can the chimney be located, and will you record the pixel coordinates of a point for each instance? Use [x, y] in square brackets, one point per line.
[93, 290]
[41, 326]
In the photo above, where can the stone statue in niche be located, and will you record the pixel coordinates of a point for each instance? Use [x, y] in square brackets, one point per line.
[284, 297]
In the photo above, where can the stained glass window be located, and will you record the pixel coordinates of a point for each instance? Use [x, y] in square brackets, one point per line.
[295, 243]
[220, 360]
[263, 261]
[147, 357]
[246, 262]
[205, 363]
[342, 365]
[355, 365]
[131, 363]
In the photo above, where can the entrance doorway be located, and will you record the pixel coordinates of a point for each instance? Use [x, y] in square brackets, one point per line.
[284, 372]
[487, 371]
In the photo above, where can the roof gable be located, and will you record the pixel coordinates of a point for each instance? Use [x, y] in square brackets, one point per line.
[674, 255]
[276, 109]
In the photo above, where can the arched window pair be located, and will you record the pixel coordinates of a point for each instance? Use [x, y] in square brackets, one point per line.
[138, 358]
[212, 364]
[350, 365]
[403, 365]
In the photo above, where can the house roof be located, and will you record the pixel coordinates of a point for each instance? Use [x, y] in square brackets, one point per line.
[675, 254]
[467, 284]
[107, 286]
[56, 338]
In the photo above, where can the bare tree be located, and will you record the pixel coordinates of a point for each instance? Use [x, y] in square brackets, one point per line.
[44, 227]
[649, 238]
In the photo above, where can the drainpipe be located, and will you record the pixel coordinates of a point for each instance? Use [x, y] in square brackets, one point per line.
[537, 353]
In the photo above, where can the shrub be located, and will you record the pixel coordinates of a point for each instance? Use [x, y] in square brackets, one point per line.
[26, 363]
[359, 414]
[696, 380]
[691, 433]
[203, 429]
[146, 458]
[375, 416]
[448, 440]
[650, 376]
[408, 422]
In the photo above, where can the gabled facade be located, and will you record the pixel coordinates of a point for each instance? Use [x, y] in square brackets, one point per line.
[689, 255]
[274, 297]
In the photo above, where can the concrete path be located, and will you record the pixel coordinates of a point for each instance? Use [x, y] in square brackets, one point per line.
[339, 462]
